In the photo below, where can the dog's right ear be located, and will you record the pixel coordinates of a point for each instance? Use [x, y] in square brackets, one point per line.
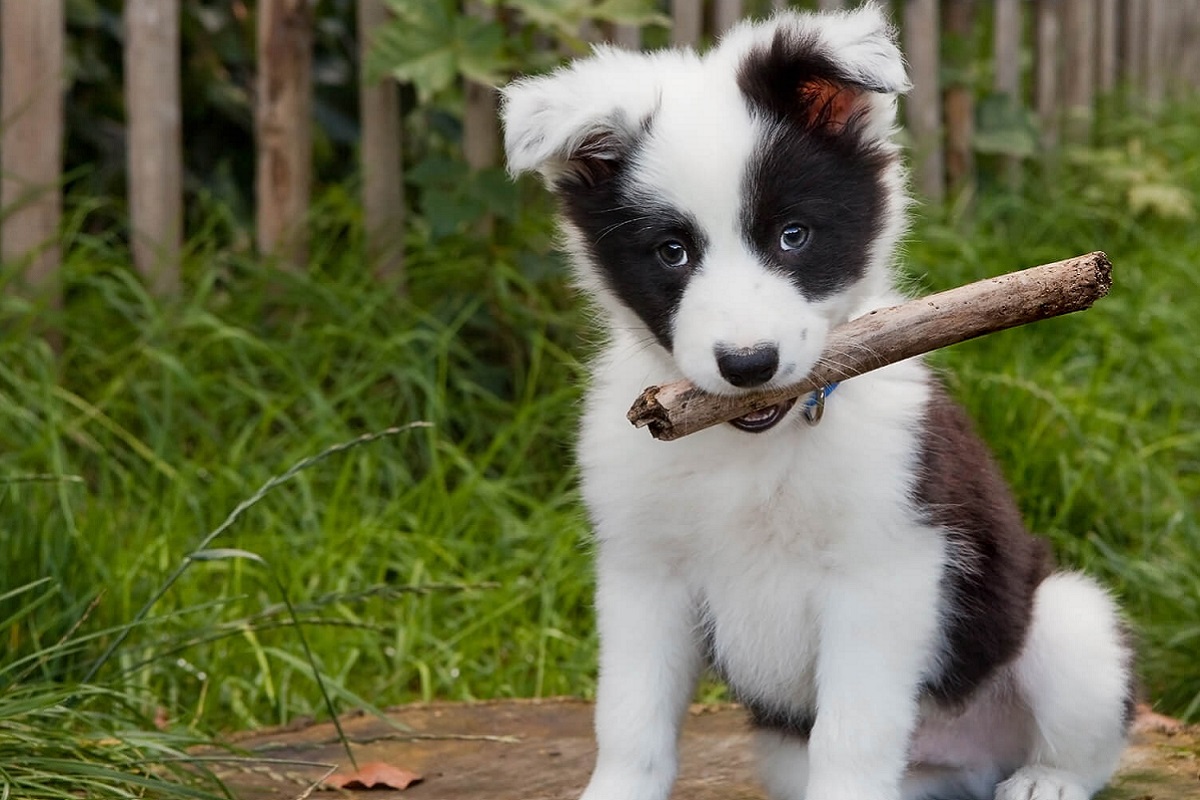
[825, 72]
[581, 120]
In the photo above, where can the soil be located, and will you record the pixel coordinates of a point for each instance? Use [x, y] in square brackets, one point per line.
[543, 750]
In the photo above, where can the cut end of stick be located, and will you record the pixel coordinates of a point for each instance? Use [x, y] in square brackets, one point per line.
[1102, 269]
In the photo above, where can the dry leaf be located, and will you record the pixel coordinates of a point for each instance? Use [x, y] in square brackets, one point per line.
[373, 775]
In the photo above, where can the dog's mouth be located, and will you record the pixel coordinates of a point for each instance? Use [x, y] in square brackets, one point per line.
[764, 418]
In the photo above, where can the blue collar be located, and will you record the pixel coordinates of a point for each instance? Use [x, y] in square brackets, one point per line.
[814, 405]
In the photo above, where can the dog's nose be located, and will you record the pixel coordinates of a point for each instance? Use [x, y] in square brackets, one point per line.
[747, 366]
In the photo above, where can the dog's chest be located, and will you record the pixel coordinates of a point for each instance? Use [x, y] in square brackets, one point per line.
[761, 540]
[759, 623]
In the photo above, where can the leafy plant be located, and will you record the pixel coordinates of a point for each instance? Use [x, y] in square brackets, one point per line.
[1004, 128]
[432, 44]
[1144, 179]
[434, 47]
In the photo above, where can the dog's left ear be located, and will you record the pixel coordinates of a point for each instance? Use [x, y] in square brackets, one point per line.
[825, 73]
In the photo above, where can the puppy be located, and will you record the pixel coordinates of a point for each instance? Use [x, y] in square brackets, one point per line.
[864, 585]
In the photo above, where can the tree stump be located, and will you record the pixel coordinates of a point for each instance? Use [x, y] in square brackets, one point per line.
[543, 750]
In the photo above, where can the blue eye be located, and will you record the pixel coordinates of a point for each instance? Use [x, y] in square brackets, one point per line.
[793, 237]
[673, 254]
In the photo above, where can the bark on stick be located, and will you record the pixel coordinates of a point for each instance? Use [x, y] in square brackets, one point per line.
[893, 334]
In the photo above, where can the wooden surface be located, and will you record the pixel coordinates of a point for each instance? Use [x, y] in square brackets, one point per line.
[888, 335]
[31, 135]
[155, 141]
[543, 750]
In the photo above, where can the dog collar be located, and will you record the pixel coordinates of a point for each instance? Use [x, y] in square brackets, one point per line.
[814, 404]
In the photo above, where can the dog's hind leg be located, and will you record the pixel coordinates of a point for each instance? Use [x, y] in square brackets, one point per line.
[783, 768]
[1074, 677]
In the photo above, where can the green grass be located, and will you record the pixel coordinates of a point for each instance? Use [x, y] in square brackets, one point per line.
[451, 561]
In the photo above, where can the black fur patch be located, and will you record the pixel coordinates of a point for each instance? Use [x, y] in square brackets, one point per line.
[790, 721]
[1133, 689]
[773, 77]
[995, 564]
[831, 188]
[824, 177]
[623, 231]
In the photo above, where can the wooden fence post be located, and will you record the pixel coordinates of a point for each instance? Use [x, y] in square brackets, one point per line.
[1133, 47]
[481, 125]
[1191, 59]
[31, 136]
[155, 140]
[1183, 46]
[627, 36]
[1157, 30]
[1006, 47]
[481, 134]
[380, 157]
[958, 18]
[1046, 79]
[1107, 46]
[283, 129]
[726, 13]
[687, 22]
[1161, 47]
[1078, 66]
[923, 105]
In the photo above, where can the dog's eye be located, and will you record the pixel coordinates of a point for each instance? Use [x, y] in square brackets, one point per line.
[673, 254]
[793, 237]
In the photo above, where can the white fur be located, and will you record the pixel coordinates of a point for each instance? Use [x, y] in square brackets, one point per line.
[803, 543]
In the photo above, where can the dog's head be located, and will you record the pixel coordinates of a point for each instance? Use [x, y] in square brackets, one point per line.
[735, 205]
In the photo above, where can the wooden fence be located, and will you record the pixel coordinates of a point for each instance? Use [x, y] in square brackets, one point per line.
[1081, 50]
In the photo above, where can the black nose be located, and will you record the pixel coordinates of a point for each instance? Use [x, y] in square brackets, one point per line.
[747, 366]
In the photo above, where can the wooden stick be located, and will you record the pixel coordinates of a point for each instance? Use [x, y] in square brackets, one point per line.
[893, 334]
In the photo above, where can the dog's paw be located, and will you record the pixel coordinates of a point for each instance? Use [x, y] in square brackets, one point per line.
[608, 786]
[1041, 783]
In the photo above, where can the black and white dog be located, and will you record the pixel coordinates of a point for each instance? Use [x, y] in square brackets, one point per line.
[864, 585]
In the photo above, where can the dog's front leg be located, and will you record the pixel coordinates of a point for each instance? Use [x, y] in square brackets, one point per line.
[649, 663]
[876, 633]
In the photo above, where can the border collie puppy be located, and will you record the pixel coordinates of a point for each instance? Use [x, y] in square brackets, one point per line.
[865, 584]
